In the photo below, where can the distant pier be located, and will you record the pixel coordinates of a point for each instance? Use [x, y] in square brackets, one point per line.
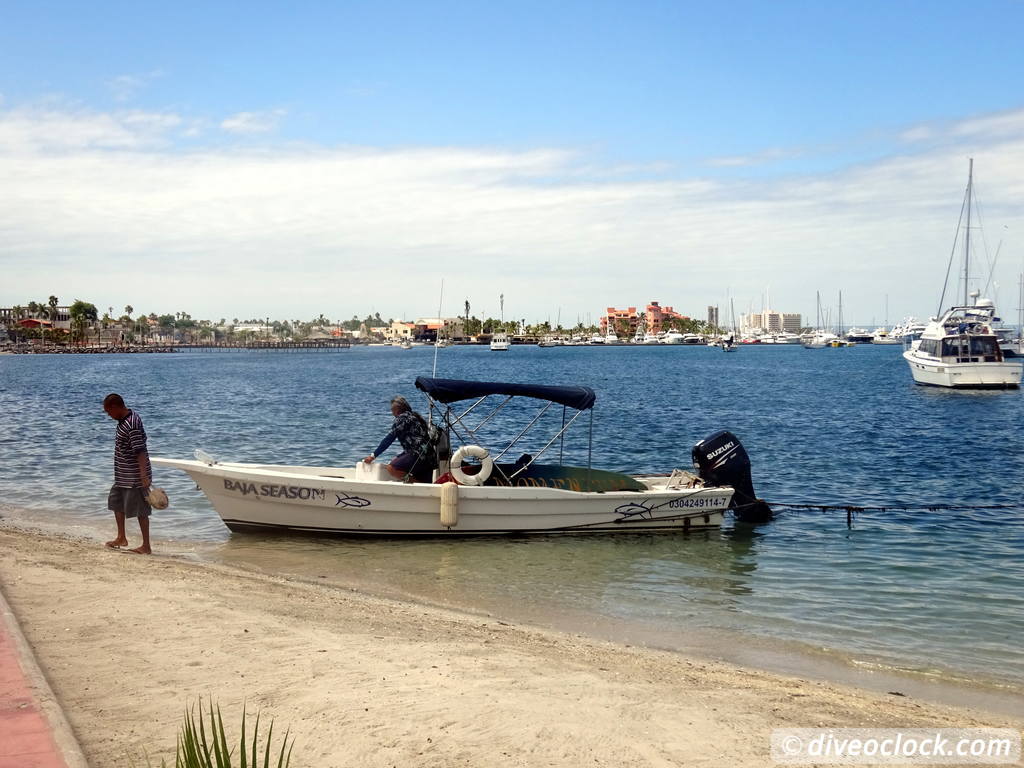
[284, 346]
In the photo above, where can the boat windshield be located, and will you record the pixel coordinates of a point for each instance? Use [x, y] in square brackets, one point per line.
[965, 347]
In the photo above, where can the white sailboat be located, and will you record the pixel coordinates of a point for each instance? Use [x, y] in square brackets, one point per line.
[728, 343]
[959, 349]
[819, 338]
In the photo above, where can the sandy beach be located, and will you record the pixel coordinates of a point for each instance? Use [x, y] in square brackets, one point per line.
[128, 642]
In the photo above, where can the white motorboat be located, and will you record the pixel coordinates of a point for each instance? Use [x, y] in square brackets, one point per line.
[907, 331]
[882, 336]
[960, 348]
[502, 496]
[499, 342]
[859, 335]
[672, 337]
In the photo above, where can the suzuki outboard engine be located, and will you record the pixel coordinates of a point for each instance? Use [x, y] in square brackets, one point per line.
[721, 460]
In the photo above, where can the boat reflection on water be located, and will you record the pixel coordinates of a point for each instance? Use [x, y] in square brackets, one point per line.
[676, 583]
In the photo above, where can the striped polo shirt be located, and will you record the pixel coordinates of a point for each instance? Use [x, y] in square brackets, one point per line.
[129, 442]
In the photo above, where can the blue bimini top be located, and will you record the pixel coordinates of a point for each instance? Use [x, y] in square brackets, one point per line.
[454, 390]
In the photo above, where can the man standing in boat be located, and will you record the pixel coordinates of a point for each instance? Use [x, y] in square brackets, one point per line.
[132, 473]
[410, 429]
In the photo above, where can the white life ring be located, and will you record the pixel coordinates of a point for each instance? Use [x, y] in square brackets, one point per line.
[476, 452]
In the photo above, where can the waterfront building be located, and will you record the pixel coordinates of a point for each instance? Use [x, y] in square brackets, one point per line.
[623, 322]
[400, 330]
[433, 328]
[712, 316]
[658, 317]
[62, 320]
[653, 320]
[770, 321]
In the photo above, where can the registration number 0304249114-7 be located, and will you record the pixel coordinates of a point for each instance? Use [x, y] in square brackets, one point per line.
[700, 502]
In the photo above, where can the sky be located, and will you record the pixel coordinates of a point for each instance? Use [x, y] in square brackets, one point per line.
[244, 160]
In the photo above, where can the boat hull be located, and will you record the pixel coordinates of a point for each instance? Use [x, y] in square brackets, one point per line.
[331, 501]
[1004, 375]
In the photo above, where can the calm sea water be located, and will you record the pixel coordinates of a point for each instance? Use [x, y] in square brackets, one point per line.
[934, 593]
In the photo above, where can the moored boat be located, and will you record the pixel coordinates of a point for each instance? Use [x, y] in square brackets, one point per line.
[501, 495]
[960, 349]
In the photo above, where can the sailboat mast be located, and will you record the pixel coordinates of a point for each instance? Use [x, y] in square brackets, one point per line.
[967, 234]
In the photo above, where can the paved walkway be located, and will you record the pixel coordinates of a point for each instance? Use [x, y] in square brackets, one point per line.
[33, 730]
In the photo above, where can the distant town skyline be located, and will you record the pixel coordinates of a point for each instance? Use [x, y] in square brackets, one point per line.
[345, 159]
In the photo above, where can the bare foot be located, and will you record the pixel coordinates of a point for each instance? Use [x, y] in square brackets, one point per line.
[117, 543]
[143, 550]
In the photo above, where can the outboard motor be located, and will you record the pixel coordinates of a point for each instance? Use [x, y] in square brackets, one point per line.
[722, 460]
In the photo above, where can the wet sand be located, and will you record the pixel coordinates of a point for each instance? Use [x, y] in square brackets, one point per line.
[128, 642]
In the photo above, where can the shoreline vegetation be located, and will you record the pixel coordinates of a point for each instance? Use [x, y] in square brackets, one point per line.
[365, 680]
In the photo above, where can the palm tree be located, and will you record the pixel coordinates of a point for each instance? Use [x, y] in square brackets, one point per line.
[52, 302]
[19, 314]
[128, 310]
[82, 313]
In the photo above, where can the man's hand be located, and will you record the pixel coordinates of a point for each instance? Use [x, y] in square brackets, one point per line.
[143, 459]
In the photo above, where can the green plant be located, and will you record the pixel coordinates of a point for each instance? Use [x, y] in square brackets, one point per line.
[197, 749]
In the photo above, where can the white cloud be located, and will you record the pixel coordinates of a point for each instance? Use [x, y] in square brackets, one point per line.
[252, 122]
[126, 87]
[58, 127]
[918, 133]
[746, 161]
[295, 232]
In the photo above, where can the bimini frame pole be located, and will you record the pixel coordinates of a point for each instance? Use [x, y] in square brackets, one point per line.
[526, 429]
[561, 445]
[590, 447]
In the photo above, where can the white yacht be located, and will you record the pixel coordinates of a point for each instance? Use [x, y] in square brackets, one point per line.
[672, 337]
[907, 331]
[960, 349]
[882, 336]
[499, 342]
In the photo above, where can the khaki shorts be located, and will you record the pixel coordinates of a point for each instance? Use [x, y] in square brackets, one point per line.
[131, 501]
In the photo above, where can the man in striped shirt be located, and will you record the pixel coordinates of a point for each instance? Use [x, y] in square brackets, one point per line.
[132, 473]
